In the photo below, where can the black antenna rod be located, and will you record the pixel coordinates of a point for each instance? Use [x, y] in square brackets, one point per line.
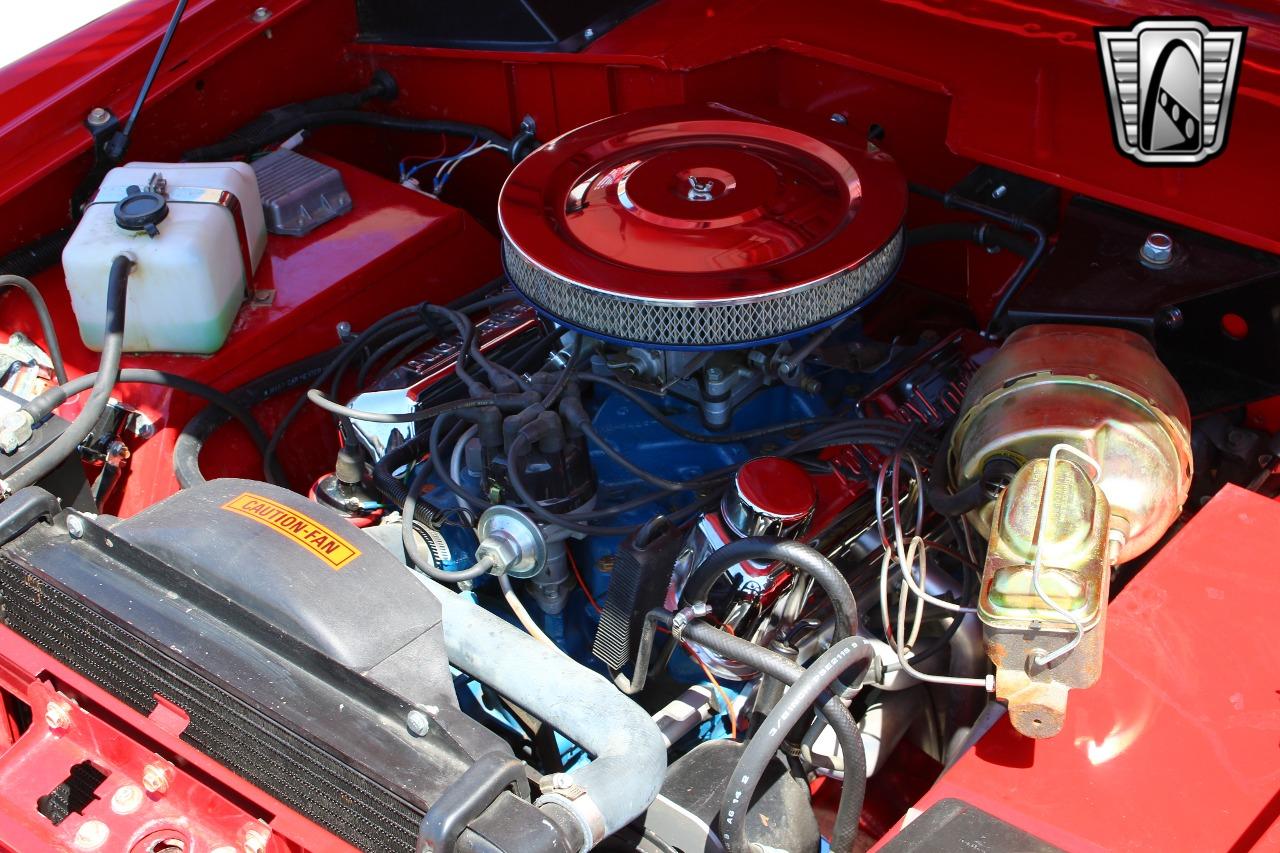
[120, 142]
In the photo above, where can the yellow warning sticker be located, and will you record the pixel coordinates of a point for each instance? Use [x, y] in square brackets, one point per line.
[316, 538]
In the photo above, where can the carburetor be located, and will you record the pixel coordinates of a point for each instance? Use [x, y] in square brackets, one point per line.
[1098, 432]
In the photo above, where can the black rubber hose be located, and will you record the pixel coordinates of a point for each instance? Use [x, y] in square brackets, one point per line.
[190, 442]
[54, 397]
[304, 121]
[1018, 223]
[787, 671]
[969, 496]
[979, 233]
[36, 256]
[761, 748]
[772, 549]
[940, 499]
[24, 509]
[42, 406]
[396, 492]
[44, 463]
[46, 321]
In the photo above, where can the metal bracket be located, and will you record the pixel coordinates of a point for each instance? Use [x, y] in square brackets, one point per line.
[102, 125]
[200, 195]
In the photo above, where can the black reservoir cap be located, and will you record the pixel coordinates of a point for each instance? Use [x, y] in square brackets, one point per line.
[141, 210]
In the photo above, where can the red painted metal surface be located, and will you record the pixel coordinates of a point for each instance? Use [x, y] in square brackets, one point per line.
[395, 248]
[1011, 84]
[1177, 747]
[143, 799]
[700, 204]
[200, 802]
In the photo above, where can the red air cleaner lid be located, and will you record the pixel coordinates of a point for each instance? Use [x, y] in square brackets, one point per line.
[701, 226]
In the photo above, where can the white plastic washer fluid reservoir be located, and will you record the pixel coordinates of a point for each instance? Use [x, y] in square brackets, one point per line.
[197, 232]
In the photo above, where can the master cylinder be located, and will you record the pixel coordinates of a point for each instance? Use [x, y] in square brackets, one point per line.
[1099, 433]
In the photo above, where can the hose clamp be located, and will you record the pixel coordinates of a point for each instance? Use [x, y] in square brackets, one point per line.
[575, 800]
[687, 614]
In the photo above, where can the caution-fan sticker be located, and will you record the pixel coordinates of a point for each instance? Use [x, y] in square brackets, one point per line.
[335, 551]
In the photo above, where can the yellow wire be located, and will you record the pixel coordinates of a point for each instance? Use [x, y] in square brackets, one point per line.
[724, 696]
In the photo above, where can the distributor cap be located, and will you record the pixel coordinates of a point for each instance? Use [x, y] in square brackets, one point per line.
[700, 226]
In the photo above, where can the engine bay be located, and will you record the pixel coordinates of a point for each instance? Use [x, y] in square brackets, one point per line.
[672, 455]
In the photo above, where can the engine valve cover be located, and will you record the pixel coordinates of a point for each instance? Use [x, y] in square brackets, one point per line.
[702, 227]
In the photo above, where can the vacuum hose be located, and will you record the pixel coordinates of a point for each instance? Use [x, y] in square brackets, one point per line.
[785, 716]
[773, 549]
[777, 666]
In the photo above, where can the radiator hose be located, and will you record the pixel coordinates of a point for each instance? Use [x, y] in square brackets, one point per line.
[630, 760]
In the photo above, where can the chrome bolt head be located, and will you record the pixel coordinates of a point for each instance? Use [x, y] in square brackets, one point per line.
[417, 723]
[57, 715]
[156, 778]
[1158, 249]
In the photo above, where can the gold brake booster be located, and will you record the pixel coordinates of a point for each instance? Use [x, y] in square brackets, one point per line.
[1099, 434]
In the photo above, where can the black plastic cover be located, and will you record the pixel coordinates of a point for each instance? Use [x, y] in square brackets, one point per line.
[951, 824]
[67, 482]
[369, 614]
[296, 660]
[641, 575]
[541, 25]
[141, 211]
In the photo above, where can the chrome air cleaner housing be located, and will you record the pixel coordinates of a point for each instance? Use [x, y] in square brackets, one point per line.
[699, 227]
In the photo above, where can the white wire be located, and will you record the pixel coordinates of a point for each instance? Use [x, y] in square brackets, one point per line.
[517, 607]
[455, 458]
[906, 560]
[1046, 501]
[446, 168]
